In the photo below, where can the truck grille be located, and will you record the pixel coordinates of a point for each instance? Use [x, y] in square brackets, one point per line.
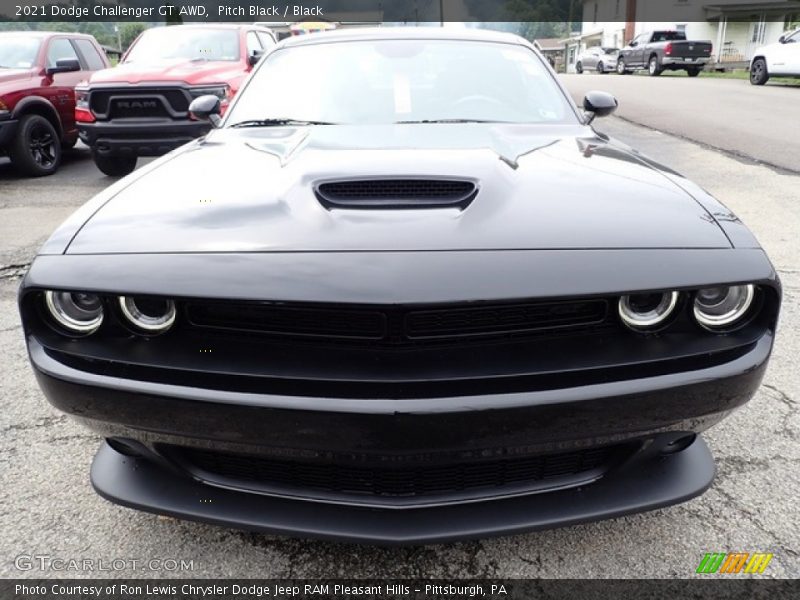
[395, 326]
[140, 102]
[387, 479]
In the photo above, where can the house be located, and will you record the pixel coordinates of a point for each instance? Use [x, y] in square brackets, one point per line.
[553, 51]
[734, 27]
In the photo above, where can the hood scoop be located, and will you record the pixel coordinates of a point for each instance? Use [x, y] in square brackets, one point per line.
[396, 193]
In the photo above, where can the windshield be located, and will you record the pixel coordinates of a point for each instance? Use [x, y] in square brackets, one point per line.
[610, 50]
[18, 52]
[191, 44]
[390, 81]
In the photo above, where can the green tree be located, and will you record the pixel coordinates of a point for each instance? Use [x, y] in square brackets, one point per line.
[129, 32]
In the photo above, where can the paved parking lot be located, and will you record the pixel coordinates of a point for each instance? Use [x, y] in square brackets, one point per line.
[47, 506]
[731, 114]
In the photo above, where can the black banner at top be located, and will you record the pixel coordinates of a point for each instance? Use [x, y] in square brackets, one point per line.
[399, 11]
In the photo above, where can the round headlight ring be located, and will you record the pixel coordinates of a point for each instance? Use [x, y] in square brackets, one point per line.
[143, 321]
[726, 312]
[642, 320]
[76, 312]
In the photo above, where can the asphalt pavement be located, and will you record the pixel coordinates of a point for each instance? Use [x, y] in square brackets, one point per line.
[48, 508]
[760, 123]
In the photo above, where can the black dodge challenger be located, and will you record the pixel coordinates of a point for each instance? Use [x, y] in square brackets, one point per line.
[403, 292]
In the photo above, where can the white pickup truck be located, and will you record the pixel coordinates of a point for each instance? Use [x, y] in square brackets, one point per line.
[777, 60]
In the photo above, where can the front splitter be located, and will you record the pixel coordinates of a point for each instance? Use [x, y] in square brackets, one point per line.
[641, 486]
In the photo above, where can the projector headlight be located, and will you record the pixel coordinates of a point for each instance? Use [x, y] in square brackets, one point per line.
[152, 315]
[647, 311]
[722, 307]
[76, 312]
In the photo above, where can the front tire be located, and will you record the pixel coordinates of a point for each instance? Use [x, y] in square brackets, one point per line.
[653, 67]
[578, 68]
[758, 72]
[621, 67]
[36, 149]
[115, 166]
[600, 68]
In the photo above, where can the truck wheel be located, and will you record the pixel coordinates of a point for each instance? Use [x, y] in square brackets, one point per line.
[693, 72]
[653, 67]
[578, 68]
[621, 67]
[36, 149]
[758, 72]
[115, 166]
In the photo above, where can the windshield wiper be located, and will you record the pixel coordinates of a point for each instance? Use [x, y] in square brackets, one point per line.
[278, 123]
[426, 121]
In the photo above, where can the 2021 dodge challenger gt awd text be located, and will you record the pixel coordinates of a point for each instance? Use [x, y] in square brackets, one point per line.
[412, 297]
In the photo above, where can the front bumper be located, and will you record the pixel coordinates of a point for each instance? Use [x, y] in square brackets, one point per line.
[140, 137]
[647, 485]
[654, 416]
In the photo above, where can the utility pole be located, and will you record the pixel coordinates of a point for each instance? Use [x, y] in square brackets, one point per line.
[441, 12]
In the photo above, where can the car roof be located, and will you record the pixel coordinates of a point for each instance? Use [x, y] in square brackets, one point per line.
[404, 33]
[214, 26]
[46, 34]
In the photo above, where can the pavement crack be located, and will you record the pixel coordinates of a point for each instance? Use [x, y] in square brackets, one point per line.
[14, 271]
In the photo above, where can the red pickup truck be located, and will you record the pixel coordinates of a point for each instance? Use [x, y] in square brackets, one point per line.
[38, 74]
[140, 107]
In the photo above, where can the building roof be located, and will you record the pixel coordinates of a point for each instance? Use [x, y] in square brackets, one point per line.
[550, 43]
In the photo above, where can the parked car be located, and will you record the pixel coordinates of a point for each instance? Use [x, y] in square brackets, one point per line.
[140, 107]
[777, 60]
[38, 74]
[413, 298]
[658, 51]
[602, 60]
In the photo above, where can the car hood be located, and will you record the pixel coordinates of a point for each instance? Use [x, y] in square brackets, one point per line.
[11, 75]
[540, 187]
[189, 72]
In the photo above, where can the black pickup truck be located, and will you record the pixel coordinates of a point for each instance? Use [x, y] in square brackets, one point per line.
[658, 51]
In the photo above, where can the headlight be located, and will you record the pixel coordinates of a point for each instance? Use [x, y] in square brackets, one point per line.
[77, 312]
[153, 315]
[647, 311]
[81, 98]
[223, 92]
[720, 307]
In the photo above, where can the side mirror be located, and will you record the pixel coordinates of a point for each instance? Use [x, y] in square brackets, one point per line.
[599, 104]
[256, 56]
[206, 108]
[64, 65]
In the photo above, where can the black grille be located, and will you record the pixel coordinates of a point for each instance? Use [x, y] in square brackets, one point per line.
[397, 326]
[391, 480]
[144, 102]
[396, 193]
[502, 319]
[281, 320]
